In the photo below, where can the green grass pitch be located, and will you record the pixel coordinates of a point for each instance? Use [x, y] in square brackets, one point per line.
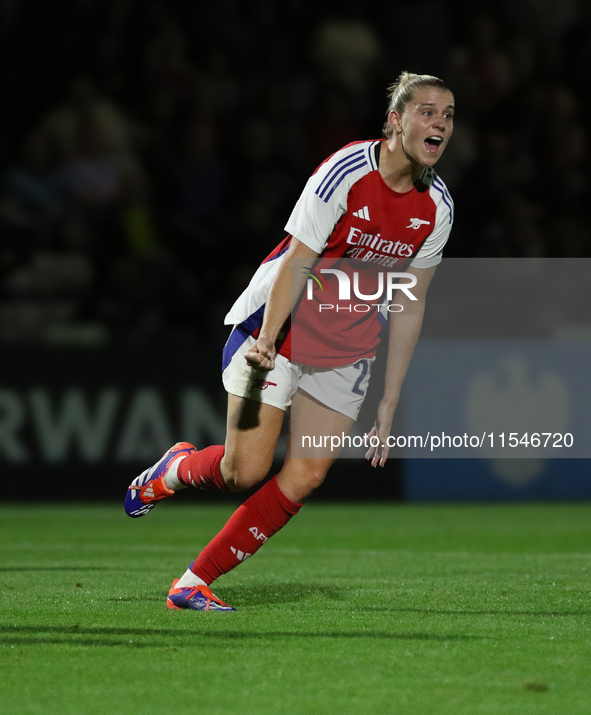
[364, 609]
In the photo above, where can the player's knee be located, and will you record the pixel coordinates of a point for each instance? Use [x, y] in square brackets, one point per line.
[312, 478]
[240, 475]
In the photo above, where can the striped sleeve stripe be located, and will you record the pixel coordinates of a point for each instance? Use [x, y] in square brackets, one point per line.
[438, 184]
[349, 171]
[337, 170]
[371, 153]
[442, 186]
[446, 201]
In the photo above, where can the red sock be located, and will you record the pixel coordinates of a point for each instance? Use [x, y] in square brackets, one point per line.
[202, 469]
[261, 516]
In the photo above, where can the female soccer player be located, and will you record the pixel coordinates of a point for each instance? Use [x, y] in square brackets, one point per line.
[372, 205]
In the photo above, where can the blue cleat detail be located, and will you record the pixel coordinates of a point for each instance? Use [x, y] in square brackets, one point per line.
[149, 488]
[197, 598]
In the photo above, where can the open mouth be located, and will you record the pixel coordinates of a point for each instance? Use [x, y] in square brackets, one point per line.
[432, 144]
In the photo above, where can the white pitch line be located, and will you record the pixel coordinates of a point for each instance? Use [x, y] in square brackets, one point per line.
[274, 550]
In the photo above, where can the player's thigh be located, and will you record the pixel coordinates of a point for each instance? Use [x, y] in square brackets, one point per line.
[257, 401]
[252, 432]
[306, 468]
[316, 430]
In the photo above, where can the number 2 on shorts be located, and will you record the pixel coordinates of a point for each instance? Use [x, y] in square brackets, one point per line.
[362, 365]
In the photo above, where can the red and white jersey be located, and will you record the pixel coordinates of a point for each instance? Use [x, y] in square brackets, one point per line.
[347, 213]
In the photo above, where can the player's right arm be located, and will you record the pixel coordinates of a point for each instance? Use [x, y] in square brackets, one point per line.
[322, 202]
[283, 295]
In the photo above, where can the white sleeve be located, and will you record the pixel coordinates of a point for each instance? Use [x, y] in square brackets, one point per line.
[324, 198]
[429, 254]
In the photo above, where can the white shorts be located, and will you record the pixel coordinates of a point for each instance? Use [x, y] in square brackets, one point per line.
[341, 389]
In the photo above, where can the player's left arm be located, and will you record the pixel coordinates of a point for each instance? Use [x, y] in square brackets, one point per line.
[404, 330]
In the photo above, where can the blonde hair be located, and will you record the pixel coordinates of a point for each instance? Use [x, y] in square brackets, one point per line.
[401, 92]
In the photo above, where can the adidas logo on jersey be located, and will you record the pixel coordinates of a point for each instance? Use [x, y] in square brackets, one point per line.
[362, 213]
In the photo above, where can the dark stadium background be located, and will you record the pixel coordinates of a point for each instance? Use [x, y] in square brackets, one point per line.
[202, 122]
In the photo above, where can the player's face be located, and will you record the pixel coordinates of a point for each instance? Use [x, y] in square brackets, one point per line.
[426, 125]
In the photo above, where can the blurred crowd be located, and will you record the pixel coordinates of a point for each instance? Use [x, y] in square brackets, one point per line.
[151, 152]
